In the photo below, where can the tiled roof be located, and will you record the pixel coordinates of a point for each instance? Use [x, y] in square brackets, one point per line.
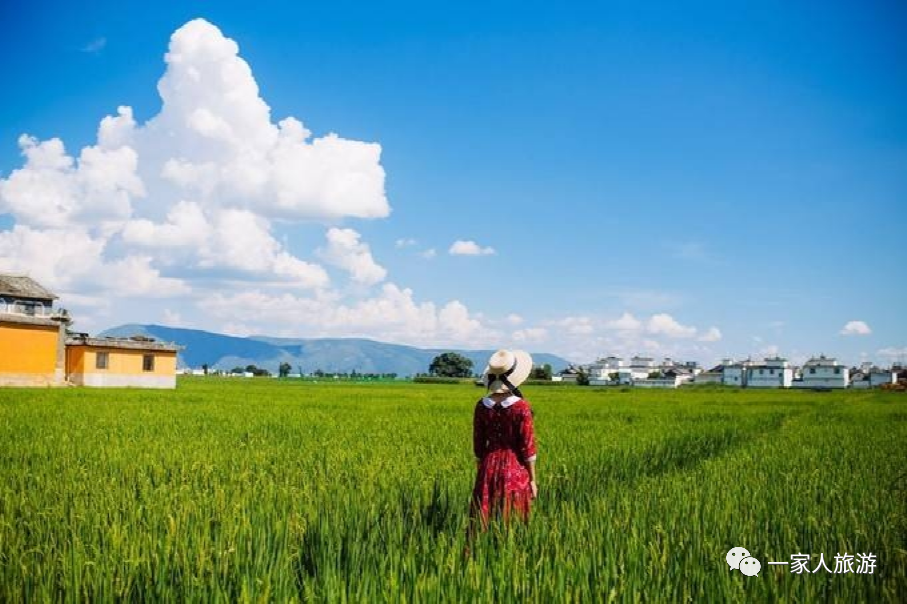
[20, 286]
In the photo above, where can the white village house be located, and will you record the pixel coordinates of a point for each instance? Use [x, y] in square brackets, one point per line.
[602, 371]
[715, 375]
[734, 373]
[670, 378]
[774, 372]
[642, 372]
[823, 372]
[873, 377]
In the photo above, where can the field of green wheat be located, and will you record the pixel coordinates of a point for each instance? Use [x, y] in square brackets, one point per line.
[267, 490]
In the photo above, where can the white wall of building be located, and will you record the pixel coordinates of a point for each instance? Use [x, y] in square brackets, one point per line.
[879, 378]
[734, 375]
[823, 373]
[769, 378]
[122, 380]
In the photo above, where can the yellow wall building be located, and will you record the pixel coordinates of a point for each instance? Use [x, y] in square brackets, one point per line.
[31, 334]
[120, 362]
[28, 351]
[35, 351]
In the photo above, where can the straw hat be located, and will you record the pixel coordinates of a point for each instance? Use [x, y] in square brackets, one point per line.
[514, 365]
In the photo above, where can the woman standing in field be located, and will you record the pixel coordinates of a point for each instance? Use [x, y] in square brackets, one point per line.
[504, 441]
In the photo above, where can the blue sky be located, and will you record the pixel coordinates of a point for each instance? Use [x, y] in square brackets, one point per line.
[697, 181]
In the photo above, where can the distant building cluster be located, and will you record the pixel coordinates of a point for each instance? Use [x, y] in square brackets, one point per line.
[37, 348]
[818, 373]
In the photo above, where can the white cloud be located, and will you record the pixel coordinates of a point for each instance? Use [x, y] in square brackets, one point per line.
[713, 334]
[513, 319]
[855, 328]
[530, 334]
[577, 326]
[469, 248]
[584, 338]
[626, 322]
[653, 347]
[71, 260]
[393, 315]
[193, 190]
[665, 324]
[54, 190]
[344, 250]
[429, 253]
[172, 318]
[221, 238]
[407, 242]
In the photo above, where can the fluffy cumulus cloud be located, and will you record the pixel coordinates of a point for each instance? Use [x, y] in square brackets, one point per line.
[469, 248]
[626, 322]
[53, 189]
[575, 326]
[197, 187]
[666, 324]
[855, 328]
[186, 202]
[72, 260]
[392, 314]
[345, 251]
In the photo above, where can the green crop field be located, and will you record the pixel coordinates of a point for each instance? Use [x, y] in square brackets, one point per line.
[263, 490]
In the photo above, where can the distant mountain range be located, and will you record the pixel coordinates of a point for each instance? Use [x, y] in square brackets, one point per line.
[220, 351]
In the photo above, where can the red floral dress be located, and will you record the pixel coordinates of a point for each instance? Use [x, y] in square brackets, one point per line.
[504, 443]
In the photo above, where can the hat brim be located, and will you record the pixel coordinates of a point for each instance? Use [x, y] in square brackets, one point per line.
[519, 375]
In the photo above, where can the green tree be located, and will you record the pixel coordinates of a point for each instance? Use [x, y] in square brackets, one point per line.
[284, 369]
[543, 372]
[582, 378]
[450, 364]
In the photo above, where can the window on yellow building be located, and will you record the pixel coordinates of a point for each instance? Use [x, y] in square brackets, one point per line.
[148, 362]
[100, 360]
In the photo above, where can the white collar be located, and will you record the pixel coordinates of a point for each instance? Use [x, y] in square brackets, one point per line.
[505, 403]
